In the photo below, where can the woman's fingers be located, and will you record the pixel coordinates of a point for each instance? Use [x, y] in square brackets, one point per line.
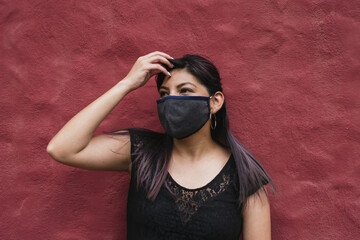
[147, 66]
[160, 59]
[159, 68]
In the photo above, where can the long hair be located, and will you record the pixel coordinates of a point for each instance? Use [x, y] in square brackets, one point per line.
[152, 159]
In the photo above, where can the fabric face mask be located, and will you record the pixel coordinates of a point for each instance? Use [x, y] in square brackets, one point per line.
[182, 116]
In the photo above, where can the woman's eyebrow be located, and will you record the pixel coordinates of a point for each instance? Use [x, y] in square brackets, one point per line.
[182, 84]
[178, 86]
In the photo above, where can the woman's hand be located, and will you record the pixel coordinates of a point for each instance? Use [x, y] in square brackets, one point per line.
[145, 67]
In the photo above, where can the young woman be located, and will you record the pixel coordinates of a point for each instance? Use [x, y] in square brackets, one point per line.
[195, 181]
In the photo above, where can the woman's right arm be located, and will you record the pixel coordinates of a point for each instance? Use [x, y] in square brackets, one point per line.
[75, 145]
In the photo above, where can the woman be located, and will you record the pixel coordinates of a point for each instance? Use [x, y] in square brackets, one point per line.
[195, 181]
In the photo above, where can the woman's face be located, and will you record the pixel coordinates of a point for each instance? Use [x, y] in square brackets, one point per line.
[182, 83]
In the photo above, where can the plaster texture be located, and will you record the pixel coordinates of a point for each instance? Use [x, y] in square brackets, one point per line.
[290, 72]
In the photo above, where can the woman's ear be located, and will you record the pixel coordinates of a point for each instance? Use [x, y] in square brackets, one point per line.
[216, 102]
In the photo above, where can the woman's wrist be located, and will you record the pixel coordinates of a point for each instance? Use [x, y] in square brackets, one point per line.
[124, 86]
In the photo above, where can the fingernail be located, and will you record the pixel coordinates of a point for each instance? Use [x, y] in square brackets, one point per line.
[169, 74]
[171, 57]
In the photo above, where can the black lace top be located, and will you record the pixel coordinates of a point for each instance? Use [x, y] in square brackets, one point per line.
[209, 212]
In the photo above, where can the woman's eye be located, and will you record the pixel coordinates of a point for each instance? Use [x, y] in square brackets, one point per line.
[185, 90]
[162, 94]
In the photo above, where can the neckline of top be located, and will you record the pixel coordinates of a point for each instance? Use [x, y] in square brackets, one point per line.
[206, 185]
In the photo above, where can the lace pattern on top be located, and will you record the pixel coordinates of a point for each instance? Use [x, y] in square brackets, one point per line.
[188, 201]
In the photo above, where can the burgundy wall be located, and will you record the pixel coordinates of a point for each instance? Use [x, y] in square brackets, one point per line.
[290, 71]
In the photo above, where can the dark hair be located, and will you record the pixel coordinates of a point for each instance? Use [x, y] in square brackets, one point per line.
[152, 158]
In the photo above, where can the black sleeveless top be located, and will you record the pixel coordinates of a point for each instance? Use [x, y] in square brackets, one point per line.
[209, 212]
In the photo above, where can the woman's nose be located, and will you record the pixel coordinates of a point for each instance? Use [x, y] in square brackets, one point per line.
[174, 93]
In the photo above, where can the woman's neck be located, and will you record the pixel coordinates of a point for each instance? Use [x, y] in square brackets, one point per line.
[195, 146]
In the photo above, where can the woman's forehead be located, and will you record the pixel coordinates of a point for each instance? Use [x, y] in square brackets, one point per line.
[180, 76]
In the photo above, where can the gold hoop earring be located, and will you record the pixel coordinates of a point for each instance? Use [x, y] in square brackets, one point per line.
[211, 123]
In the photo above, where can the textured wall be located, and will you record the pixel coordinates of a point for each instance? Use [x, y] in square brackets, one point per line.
[290, 71]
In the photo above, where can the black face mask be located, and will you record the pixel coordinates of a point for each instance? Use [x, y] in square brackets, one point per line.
[182, 116]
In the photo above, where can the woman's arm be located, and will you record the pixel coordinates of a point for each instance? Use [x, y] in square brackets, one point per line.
[256, 217]
[75, 145]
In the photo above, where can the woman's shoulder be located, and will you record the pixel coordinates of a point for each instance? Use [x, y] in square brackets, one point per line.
[143, 133]
[141, 137]
[144, 143]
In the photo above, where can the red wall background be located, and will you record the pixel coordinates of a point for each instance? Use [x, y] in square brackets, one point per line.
[291, 74]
